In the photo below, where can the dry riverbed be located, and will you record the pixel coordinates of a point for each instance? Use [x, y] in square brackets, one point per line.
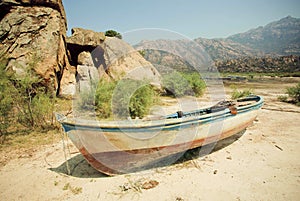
[261, 163]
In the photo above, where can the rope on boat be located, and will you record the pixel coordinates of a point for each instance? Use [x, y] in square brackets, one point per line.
[60, 118]
[63, 135]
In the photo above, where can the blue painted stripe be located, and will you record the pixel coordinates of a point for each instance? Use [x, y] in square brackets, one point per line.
[176, 125]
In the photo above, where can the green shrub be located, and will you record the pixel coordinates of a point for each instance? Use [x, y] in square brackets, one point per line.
[175, 85]
[43, 110]
[6, 101]
[141, 101]
[103, 98]
[283, 98]
[133, 98]
[241, 93]
[294, 94]
[178, 85]
[35, 105]
[113, 33]
[124, 98]
[142, 53]
[196, 83]
[24, 100]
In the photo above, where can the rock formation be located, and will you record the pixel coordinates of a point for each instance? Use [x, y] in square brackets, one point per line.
[32, 35]
[85, 37]
[111, 57]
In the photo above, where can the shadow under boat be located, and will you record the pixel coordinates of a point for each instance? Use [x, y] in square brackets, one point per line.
[79, 167]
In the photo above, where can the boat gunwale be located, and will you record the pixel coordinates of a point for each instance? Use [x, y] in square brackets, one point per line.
[165, 124]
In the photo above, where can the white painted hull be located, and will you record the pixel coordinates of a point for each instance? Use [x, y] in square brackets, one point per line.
[125, 148]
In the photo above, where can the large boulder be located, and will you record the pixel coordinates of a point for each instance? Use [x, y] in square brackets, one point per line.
[33, 35]
[113, 58]
[85, 37]
[123, 61]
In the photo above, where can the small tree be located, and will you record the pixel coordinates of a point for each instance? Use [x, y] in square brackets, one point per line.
[113, 33]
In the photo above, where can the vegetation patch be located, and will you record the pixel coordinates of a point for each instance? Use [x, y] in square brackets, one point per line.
[293, 95]
[123, 99]
[113, 33]
[236, 93]
[133, 98]
[25, 102]
[183, 84]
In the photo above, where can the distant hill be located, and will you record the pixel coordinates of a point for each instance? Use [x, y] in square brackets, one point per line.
[273, 41]
[161, 59]
[281, 37]
[167, 53]
[223, 49]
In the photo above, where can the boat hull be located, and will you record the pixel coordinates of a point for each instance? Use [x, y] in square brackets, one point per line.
[125, 151]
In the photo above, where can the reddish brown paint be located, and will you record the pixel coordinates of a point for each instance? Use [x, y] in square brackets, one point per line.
[122, 160]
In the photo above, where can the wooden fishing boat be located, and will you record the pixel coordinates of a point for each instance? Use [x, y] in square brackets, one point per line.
[116, 147]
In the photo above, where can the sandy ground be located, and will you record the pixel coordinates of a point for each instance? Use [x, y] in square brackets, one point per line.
[261, 163]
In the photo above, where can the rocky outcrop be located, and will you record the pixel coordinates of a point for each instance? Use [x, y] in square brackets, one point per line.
[108, 57]
[32, 35]
[85, 37]
[283, 64]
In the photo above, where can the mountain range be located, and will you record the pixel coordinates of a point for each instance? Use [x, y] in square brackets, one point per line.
[277, 39]
[280, 37]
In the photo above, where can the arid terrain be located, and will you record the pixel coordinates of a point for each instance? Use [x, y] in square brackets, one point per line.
[261, 163]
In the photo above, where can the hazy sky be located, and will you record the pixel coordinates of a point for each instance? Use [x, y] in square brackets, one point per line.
[192, 18]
